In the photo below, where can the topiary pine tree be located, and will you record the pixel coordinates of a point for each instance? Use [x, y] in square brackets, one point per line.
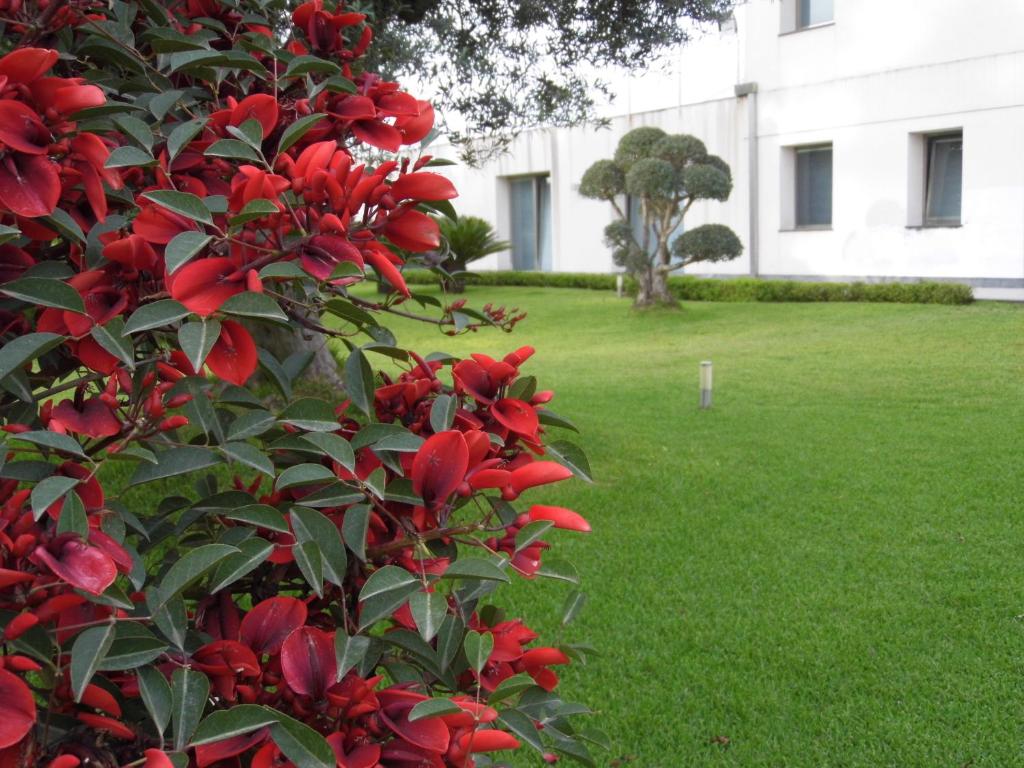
[667, 174]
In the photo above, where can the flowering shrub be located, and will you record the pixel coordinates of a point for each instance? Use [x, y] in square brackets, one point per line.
[172, 176]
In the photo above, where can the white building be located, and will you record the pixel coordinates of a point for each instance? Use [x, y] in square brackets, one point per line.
[869, 140]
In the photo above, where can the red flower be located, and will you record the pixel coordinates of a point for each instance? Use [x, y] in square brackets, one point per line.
[561, 517]
[233, 356]
[413, 231]
[17, 707]
[202, 286]
[266, 626]
[261, 107]
[308, 662]
[93, 418]
[440, 467]
[80, 565]
[29, 184]
[423, 186]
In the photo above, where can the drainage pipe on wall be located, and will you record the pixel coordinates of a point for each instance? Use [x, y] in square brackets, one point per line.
[748, 91]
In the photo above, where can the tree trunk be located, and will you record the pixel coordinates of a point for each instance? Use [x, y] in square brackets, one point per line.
[283, 342]
[652, 289]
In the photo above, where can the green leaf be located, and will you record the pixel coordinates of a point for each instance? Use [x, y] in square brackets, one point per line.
[140, 131]
[183, 247]
[428, 611]
[311, 564]
[162, 103]
[511, 686]
[304, 474]
[385, 592]
[129, 157]
[184, 203]
[310, 414]
[86, 654]
[530, 532]
[256, 305]
[251, 132]
[297, 130]
[354, 528]
[573, 605]
[261, 516]
[572, 456]
[73, 518]
[134, 646]
[442, 412]
[155, 315]
[8, 233]
[560, 570]
[253, 552]
[478, 647]
[176, 461]
[189, 691]
[156, 695]
[191, 567]
[48, 491]
[449, 640]
[335, 446]
[182, 134]
[45, 292]
[349, 651]
[111, 337]
[251, 424]
[475, 568]
[359, 381]
[303, 65]
[237, 721]
[170, 617]
[254, 209]
[311, 525]
[62, 221]
[197, 339]
[552, 419]
[250, 456]
[523, 727]
[233, 149]
[301, 744]
[18, 351]
[433, 708]
[53, 441]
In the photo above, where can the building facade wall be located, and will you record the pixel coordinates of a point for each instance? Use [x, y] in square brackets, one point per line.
[872, 83]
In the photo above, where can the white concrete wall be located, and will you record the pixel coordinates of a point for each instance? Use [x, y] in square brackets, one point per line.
[886, 69]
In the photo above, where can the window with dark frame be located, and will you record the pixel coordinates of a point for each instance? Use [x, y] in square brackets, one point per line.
[810, 13]
[813, 187]
[944, 180]
[530, 223]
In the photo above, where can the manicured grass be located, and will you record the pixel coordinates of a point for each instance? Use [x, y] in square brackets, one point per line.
[823, 570]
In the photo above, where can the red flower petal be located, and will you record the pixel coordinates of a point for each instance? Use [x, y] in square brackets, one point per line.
[17, 709]
[82, 566]
[208, 754]
[201, 285]
[543, 657]
[233, 357]
[266, 626]
[440, 466]
[488, 741]
[538, 473]
[378, 134]
[95, 419]
[416, 128]
[21, 129]
[158, 225]
[155, 758]
[516, 416]
[9, 578]
[423, 186]
[26, 64]
[261, 107]
[108, 724]
[99, 698]
[563, 518]
[29, 185]
[414, 231]
[308, 662]
[380, 262]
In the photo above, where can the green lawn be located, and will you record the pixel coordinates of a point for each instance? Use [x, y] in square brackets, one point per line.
[823, 570]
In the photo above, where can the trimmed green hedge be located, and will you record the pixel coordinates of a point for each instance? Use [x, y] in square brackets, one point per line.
[688, 288]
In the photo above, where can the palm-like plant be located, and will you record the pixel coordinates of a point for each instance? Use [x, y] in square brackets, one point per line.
[468, 239]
